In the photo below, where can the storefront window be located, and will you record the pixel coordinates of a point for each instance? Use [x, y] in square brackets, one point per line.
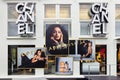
[85, 28]
[14, 16]
[64, 11]
[12, 29]
[12, 61]
[118, 58]
[57, 11]
[85, 18]
[84, 11]
[117, 17]
[50, 11]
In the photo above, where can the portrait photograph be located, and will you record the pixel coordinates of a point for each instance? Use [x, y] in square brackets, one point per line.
[64, 65]
[86, 49]
[31, 58]
[57, 39]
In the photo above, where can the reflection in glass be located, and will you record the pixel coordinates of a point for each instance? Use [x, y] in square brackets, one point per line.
[84, 28]
[50, 11]
[84, 11]
[117, 13]
[64, 11]
[12, 14]
[12, 29]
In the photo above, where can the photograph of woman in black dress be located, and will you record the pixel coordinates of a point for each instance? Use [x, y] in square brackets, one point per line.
[85, 49]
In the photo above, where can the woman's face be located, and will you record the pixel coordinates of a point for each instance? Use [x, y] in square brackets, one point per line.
[57, 33]
[89, 44]
[39, 53]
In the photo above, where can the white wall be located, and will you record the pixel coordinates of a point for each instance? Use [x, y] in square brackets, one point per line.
[39, 39]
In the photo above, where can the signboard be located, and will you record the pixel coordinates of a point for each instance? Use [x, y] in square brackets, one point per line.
[26, 19]
[99, 16]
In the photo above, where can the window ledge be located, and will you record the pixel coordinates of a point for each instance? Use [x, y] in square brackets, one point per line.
[87, 37]
[91, 37]
[21, 38]
[117, 38]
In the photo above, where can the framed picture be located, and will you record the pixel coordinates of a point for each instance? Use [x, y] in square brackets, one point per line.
[64, 65]
[31, 58]
[57, 39]
[86, 49]
[101, 57]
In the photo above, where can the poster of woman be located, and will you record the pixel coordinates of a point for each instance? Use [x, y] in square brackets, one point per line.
[86, 50]
[57, 39]
[31, 58]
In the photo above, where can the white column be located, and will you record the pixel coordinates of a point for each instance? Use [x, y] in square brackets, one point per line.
[111, 42]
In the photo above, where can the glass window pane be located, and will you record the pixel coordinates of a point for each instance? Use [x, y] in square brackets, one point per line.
[117, 28]
[117, 16]
[12, 29]
[12, 14]
[50, 11]
[84, 28]
[84, 11]
[64, 11]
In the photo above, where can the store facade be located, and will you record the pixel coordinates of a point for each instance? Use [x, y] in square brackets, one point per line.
[25, 24]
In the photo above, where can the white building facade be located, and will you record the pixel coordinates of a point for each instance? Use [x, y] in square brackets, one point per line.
[74, 13]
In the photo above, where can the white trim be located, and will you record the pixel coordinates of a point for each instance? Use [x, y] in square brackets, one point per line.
[20, 38]
[17, 1]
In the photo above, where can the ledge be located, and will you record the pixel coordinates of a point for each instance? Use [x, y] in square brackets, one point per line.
[44, 76]
[117, 38]
[21, 38]
[90, 37]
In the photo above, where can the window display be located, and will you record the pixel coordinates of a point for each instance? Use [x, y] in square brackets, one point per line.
[31, 58]
[86, 49]
[101, 57]
[12, 61]
[118, 59]
[97, 66]
[64, 65]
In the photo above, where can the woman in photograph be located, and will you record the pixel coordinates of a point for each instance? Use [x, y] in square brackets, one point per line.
[86, 50]
[38, 60]
[56, 39]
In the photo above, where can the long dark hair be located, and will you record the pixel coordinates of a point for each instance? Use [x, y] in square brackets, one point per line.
[42, 53]
[49, 31]
[37, 51]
